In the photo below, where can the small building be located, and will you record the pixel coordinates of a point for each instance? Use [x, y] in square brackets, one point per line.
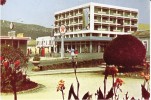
[47, 43]
[16, 42]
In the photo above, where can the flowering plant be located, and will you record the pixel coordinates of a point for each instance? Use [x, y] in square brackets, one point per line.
[13, 68]
[61, 87]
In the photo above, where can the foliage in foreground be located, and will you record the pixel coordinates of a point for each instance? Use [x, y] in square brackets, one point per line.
[13, 68]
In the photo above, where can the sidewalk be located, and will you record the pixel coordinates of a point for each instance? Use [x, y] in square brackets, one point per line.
[63, 71]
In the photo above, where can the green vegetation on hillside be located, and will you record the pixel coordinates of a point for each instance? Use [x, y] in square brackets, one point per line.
[142, 26]
[29, 30]
[35, 31]
[31, 42]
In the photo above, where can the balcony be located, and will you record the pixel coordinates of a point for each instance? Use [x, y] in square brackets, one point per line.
[109, 22]
[102, 29]
[126, 23]
[134, 25]
[81, 21]
[103, 12]
[130, 31]
[69, 31]
[133, 16]
[112, 13]
[96, 20]
[78, 13]
[117, 30]
[69, 16]
[119, 15]
[128, 15]
[78, 30]
[61, 17]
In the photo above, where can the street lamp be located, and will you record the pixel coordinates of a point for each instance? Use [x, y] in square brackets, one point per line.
[11, 33]
[52, 32]
[62, 33]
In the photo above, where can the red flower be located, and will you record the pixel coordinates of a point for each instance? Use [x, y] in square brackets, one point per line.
[114, 70]
[6, 64]
[142, 74]
[147, 77]
[60, 86]
[17, 63]
[1, 58]
[111, 70]
[118, 82]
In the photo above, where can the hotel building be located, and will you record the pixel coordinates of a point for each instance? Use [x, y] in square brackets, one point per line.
[90, 27]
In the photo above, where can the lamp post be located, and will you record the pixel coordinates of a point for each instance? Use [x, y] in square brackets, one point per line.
[62, 33]
[11, 33]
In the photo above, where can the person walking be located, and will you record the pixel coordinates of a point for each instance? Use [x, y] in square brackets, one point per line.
[76, 53]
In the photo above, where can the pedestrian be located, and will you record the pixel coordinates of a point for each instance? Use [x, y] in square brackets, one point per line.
[72, 53]
[76, 53]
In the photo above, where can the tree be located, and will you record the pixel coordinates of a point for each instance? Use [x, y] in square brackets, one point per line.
[13, 68]
[125, 50]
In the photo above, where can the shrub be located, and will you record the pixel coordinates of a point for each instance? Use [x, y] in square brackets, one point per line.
[125, 50]
[36, 57]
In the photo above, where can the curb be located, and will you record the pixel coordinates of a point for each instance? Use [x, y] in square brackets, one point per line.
[65, 71]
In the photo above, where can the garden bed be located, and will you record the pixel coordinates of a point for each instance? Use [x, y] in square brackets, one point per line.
[25, 86]
[80, 64]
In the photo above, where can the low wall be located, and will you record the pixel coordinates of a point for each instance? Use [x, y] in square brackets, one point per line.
[80, 64]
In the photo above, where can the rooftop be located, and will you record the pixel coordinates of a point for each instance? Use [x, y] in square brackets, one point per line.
[14, 38]
[96, 4]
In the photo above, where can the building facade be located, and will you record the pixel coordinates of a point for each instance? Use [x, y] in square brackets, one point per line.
[91, 26]
[16, 42]
[46, 42]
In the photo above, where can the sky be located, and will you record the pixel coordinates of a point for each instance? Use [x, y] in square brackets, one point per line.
[41, 12]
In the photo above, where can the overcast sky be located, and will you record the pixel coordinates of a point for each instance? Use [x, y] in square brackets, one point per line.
[41, 12]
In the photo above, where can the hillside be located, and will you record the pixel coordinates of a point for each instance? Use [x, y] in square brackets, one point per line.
[35, 31]
[142, 26]
[29, 30]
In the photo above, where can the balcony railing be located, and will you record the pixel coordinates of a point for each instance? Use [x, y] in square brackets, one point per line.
[102, 12]
[109, 21]
[119, 15]
[96, 20]
[117, 30]
[131, 31]
[126, 23]
[102, 29]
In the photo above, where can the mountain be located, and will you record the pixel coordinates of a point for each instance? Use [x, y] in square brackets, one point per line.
[29, 30]
[34, 31]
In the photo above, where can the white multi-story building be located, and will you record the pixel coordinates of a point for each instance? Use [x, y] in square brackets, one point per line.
[91, 26]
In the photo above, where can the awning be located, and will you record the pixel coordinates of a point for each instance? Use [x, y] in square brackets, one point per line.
[88, 38]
